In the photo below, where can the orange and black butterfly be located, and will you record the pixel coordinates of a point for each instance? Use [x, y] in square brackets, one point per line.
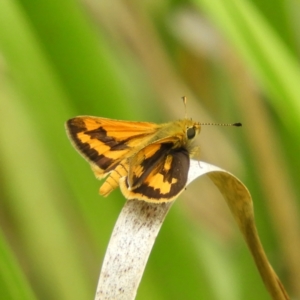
[148, 161]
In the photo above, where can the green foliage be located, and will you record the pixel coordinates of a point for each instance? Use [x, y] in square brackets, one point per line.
[134, 61]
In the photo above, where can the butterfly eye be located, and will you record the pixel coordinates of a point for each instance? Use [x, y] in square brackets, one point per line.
[191, 132]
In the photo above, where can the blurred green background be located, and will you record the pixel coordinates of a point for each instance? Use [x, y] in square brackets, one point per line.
[235, 60]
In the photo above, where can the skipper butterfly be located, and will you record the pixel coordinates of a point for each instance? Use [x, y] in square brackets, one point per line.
[148, 161]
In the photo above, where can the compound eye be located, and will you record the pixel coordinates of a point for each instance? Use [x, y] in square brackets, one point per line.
[191, 132]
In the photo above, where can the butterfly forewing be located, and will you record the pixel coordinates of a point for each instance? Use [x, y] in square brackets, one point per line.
[106, 142]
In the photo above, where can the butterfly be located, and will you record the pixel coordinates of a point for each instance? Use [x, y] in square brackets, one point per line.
[148, 161]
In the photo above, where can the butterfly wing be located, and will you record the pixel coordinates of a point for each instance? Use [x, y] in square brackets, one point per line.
[105, 142]
[157, 173]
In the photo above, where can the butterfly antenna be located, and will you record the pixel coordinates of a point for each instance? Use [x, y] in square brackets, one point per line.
[223, 124]
[184, 99]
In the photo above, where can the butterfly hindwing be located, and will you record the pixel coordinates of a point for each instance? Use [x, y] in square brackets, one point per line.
[158, 173]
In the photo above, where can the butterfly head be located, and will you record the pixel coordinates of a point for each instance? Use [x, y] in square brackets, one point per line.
[192, 129]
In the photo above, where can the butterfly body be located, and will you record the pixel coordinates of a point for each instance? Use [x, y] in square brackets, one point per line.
[148, 161]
